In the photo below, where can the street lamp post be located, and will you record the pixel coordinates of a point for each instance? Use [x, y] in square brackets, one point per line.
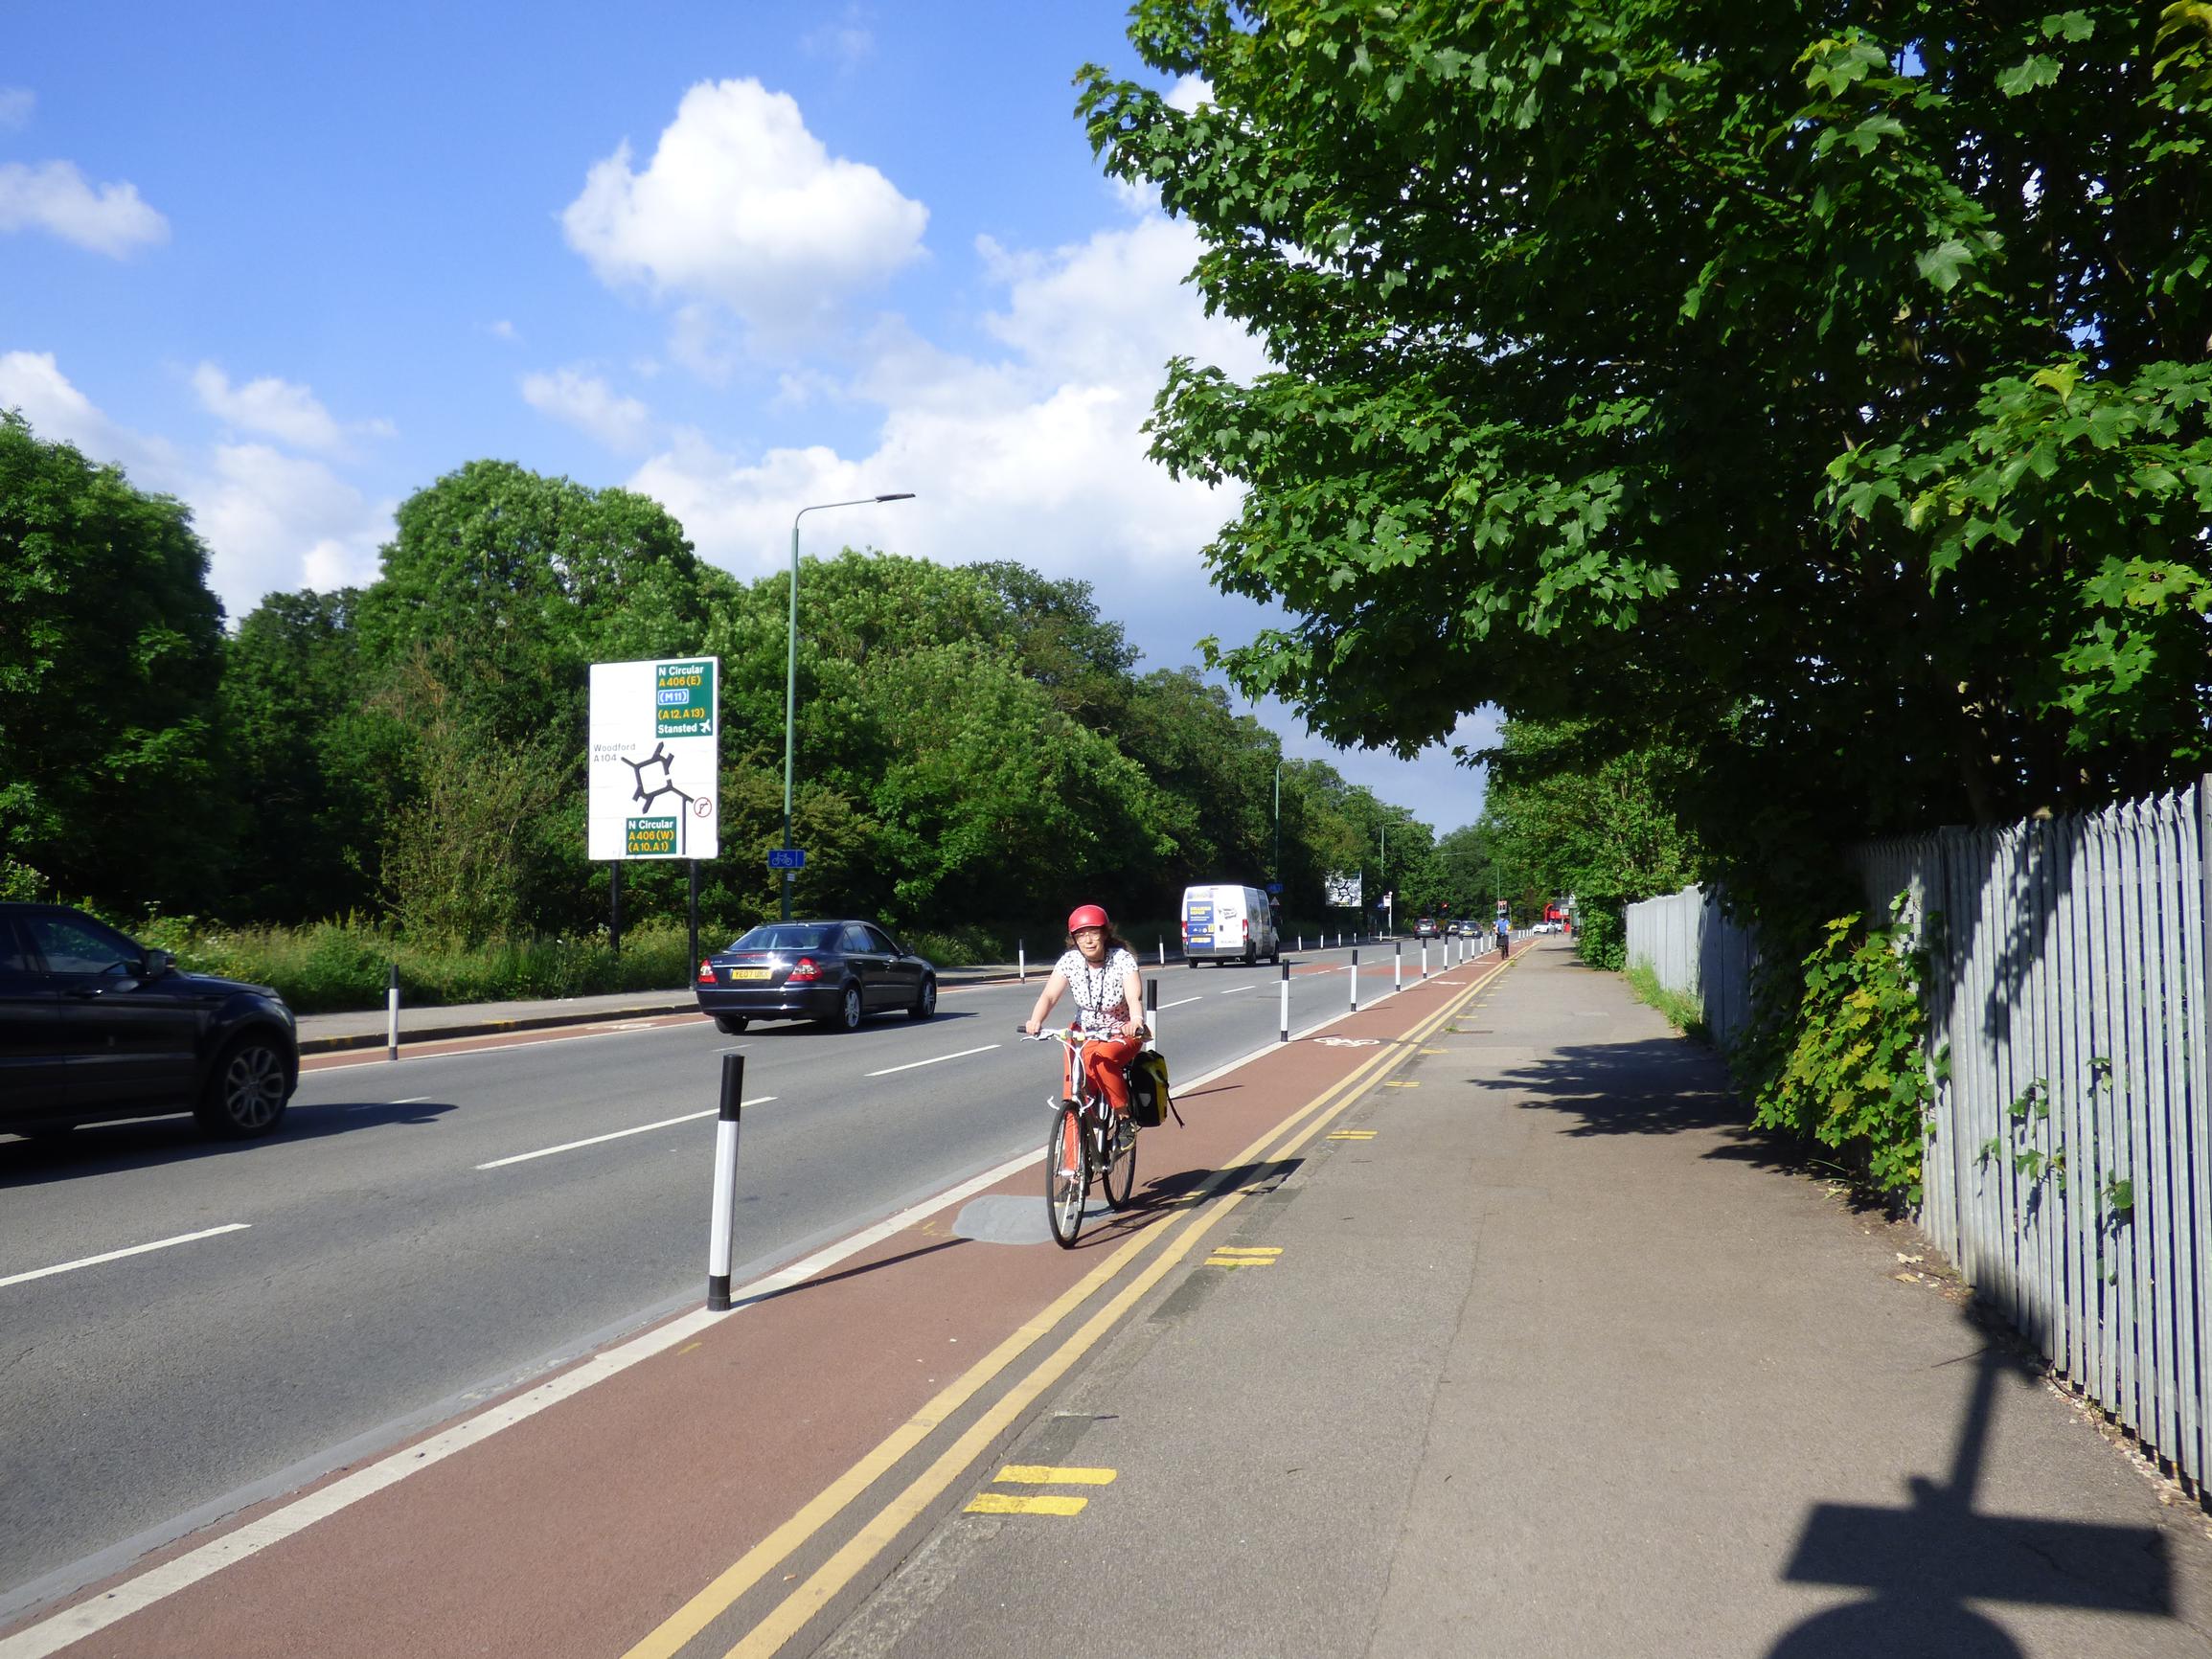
[791, 664]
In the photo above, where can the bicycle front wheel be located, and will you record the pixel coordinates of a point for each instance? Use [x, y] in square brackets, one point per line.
[1067, 1176]
[1121, 1171]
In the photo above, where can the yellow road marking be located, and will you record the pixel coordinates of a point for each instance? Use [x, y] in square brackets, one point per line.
[1045, 1475]
[1401, 1083]
[1024, 1504]
[1434, 1051]
[704, 1608]
[1351, 1134]
[1240, 1261]
[1247, 1249]
[687, 1346]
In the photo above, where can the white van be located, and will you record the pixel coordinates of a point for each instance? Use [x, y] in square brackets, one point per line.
[1228, 923]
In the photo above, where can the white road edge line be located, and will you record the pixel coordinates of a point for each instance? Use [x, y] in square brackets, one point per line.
[1234, 989]
[935, 1060]
[74, 1624]
[119, 1255]
[1178, 1003]
[614, 1135]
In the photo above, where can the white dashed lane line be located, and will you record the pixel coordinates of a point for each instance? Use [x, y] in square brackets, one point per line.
[119, 1255]
[934, 1059]
[616, 1135]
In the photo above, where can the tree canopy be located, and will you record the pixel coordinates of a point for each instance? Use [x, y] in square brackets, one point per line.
[1819, 391]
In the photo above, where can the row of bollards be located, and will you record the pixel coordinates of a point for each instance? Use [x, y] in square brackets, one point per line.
[721, 1229]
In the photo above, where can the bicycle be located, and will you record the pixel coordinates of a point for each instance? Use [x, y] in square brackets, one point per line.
[1089, 1142]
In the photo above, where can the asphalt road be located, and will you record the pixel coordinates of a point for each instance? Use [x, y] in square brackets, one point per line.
[378, 1275]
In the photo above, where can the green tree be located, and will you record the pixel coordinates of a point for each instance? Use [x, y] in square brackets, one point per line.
[110, 657]
[1567, 812]
[1819, 390]
[309, 768]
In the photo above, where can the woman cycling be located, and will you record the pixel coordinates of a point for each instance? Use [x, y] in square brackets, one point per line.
[1102, 970]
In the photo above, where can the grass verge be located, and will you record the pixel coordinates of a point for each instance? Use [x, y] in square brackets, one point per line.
[1683, 1011]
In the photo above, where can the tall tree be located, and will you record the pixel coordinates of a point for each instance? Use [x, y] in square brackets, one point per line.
[110, 655]
[1822, 387]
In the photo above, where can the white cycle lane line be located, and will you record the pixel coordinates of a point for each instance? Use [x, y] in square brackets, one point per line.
[119, 1255]
[616, 1135]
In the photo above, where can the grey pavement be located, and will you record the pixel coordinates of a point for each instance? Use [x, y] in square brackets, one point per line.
[1563, 1361]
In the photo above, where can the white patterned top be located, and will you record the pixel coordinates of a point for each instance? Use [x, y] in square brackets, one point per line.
[1100, 994]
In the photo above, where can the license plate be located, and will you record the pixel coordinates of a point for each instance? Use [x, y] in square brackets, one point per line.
[748, 972]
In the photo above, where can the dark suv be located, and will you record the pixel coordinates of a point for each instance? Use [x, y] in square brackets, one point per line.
[93, 1025]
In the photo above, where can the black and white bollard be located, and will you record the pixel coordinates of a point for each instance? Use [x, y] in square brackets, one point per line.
[392, 1016]
[1425, 959]
[1354, 977]
[1021, 962]
[1398, 965]
[1163, 943]
[1285, 1001]
[1153, 1009]
[720, 1232]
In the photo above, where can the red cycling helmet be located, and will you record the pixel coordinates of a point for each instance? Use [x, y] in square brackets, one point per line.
[1086, 915]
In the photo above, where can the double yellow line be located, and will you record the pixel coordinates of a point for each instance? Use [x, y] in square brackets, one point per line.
[790, 1616]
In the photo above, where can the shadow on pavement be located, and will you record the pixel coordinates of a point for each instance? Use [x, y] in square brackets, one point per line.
[822, 1279]
[1926, 1559]
[140, 1143]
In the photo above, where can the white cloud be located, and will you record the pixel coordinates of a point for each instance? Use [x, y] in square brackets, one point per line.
[590, 405]
[1188, 92]
[502, 329]
[743, 207]
[16, 102]
[33, 382]
[272, 521]
[277, 409]
[1036, 455]
[848, 39]
[54, 196]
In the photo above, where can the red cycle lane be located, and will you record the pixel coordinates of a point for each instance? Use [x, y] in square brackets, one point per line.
[677, 1500]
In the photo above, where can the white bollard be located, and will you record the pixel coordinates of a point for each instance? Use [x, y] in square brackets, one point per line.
[1397, 965]
[1163, 952]
[721, 1230]
[1021, 962]
[1354, 977]
[392, 1016]
[1285, 1001]
[1153, 1009]
[1425, 959]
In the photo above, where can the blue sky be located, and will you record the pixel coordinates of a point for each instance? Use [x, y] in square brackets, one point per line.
[291, 264]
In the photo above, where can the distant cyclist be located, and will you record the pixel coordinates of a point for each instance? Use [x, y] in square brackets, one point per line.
[1109, 994]
[1504, 933]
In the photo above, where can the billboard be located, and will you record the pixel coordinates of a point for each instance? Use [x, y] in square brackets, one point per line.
[654, 768]
[1343, 890]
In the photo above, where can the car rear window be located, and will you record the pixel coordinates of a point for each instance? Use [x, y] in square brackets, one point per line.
[788, 936]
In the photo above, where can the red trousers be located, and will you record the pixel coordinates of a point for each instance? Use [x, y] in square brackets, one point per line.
[1106, 1064]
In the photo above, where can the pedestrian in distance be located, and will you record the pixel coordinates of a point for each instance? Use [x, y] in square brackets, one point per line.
[1110, 996]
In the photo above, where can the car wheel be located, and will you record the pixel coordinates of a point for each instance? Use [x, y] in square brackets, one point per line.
[925, 1003]
[848, 1014]
[245, 1093]
[731, 1024]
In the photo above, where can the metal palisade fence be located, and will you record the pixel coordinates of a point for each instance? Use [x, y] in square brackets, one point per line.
[1693, 947]
[2069, 1168]
[2068, 1154]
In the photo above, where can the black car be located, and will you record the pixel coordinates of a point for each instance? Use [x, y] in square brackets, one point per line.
[838, 972]
[93, 1025]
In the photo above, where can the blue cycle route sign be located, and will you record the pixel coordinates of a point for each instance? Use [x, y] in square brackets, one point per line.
[786, 859]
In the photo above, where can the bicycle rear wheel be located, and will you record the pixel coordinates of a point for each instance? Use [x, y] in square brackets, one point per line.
[1067, 1176]
[1121, 1171]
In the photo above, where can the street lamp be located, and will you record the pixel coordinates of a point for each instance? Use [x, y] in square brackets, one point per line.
[791, 664]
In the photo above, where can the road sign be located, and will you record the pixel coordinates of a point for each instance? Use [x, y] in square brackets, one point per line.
[786, 859]
[1274, 887]
[654, 766]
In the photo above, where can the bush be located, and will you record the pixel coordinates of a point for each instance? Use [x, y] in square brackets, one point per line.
[1851, 1070]
[333, 966]
[1601, 934]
